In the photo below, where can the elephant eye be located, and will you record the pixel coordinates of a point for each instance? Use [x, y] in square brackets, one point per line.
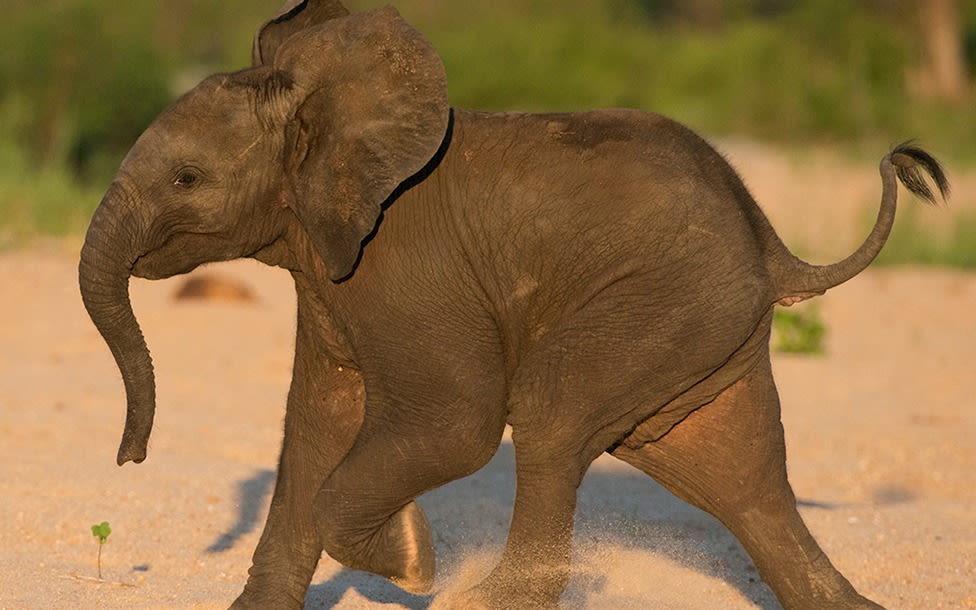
[186, 178]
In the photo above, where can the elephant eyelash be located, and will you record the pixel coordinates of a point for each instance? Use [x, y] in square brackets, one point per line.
[186, 178]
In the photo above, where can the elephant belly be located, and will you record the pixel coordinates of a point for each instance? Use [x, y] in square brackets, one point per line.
[635, 359]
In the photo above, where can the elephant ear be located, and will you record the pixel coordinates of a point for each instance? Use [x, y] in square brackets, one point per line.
[372, 112]
[294, 16]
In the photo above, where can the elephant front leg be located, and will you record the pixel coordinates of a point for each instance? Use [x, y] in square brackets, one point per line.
[366, 513]
[398, 546]
[325, 406]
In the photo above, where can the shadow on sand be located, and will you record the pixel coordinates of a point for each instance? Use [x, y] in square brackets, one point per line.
[252, 497]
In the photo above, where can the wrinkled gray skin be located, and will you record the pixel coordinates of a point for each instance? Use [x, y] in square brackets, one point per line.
[600, 281]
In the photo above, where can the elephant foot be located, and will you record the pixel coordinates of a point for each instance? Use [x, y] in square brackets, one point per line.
[854, 601]
[466, 600]
[272, 587]
[249, 601]
[536, 588]
[409, 550]
[402, 550]
[487, 597]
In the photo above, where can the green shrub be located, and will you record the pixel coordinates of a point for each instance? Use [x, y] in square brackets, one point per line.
[911, 243]
[799, 331]
[90, 81]
[80, 79]
[40, 201]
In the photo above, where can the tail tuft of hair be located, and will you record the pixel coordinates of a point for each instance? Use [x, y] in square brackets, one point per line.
[909, 162]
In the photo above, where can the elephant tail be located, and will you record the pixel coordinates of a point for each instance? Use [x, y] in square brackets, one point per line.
[795, 280]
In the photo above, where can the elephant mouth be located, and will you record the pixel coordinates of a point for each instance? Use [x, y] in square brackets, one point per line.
[183, 252]
[164, 262]
[179, 253]
[156, 267]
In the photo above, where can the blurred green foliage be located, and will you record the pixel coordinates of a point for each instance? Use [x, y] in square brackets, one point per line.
[80, 79]
[799, 331]
[911, 243]
[787, 71]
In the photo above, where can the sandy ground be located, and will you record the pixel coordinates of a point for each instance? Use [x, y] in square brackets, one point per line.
[881, 437]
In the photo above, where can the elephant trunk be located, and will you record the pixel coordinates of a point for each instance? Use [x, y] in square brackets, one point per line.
[107, 259]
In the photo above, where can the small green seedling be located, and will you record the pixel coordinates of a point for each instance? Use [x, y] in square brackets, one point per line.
[101, 531]
[799, 331]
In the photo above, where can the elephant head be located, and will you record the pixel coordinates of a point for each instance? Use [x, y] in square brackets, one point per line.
[335, 114]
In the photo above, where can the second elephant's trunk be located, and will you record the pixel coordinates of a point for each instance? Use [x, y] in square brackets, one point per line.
[110, 250]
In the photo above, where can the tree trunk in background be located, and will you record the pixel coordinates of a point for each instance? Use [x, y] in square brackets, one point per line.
[944, 76]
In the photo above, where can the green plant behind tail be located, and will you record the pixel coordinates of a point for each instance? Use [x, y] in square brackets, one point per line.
[101, 531]
[799, 331]
[912, 243]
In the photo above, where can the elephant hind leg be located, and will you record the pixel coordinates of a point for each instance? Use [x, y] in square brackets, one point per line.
[729, 459]
[535, 565]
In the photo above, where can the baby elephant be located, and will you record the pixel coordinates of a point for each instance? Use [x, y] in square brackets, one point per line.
[599, 281]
